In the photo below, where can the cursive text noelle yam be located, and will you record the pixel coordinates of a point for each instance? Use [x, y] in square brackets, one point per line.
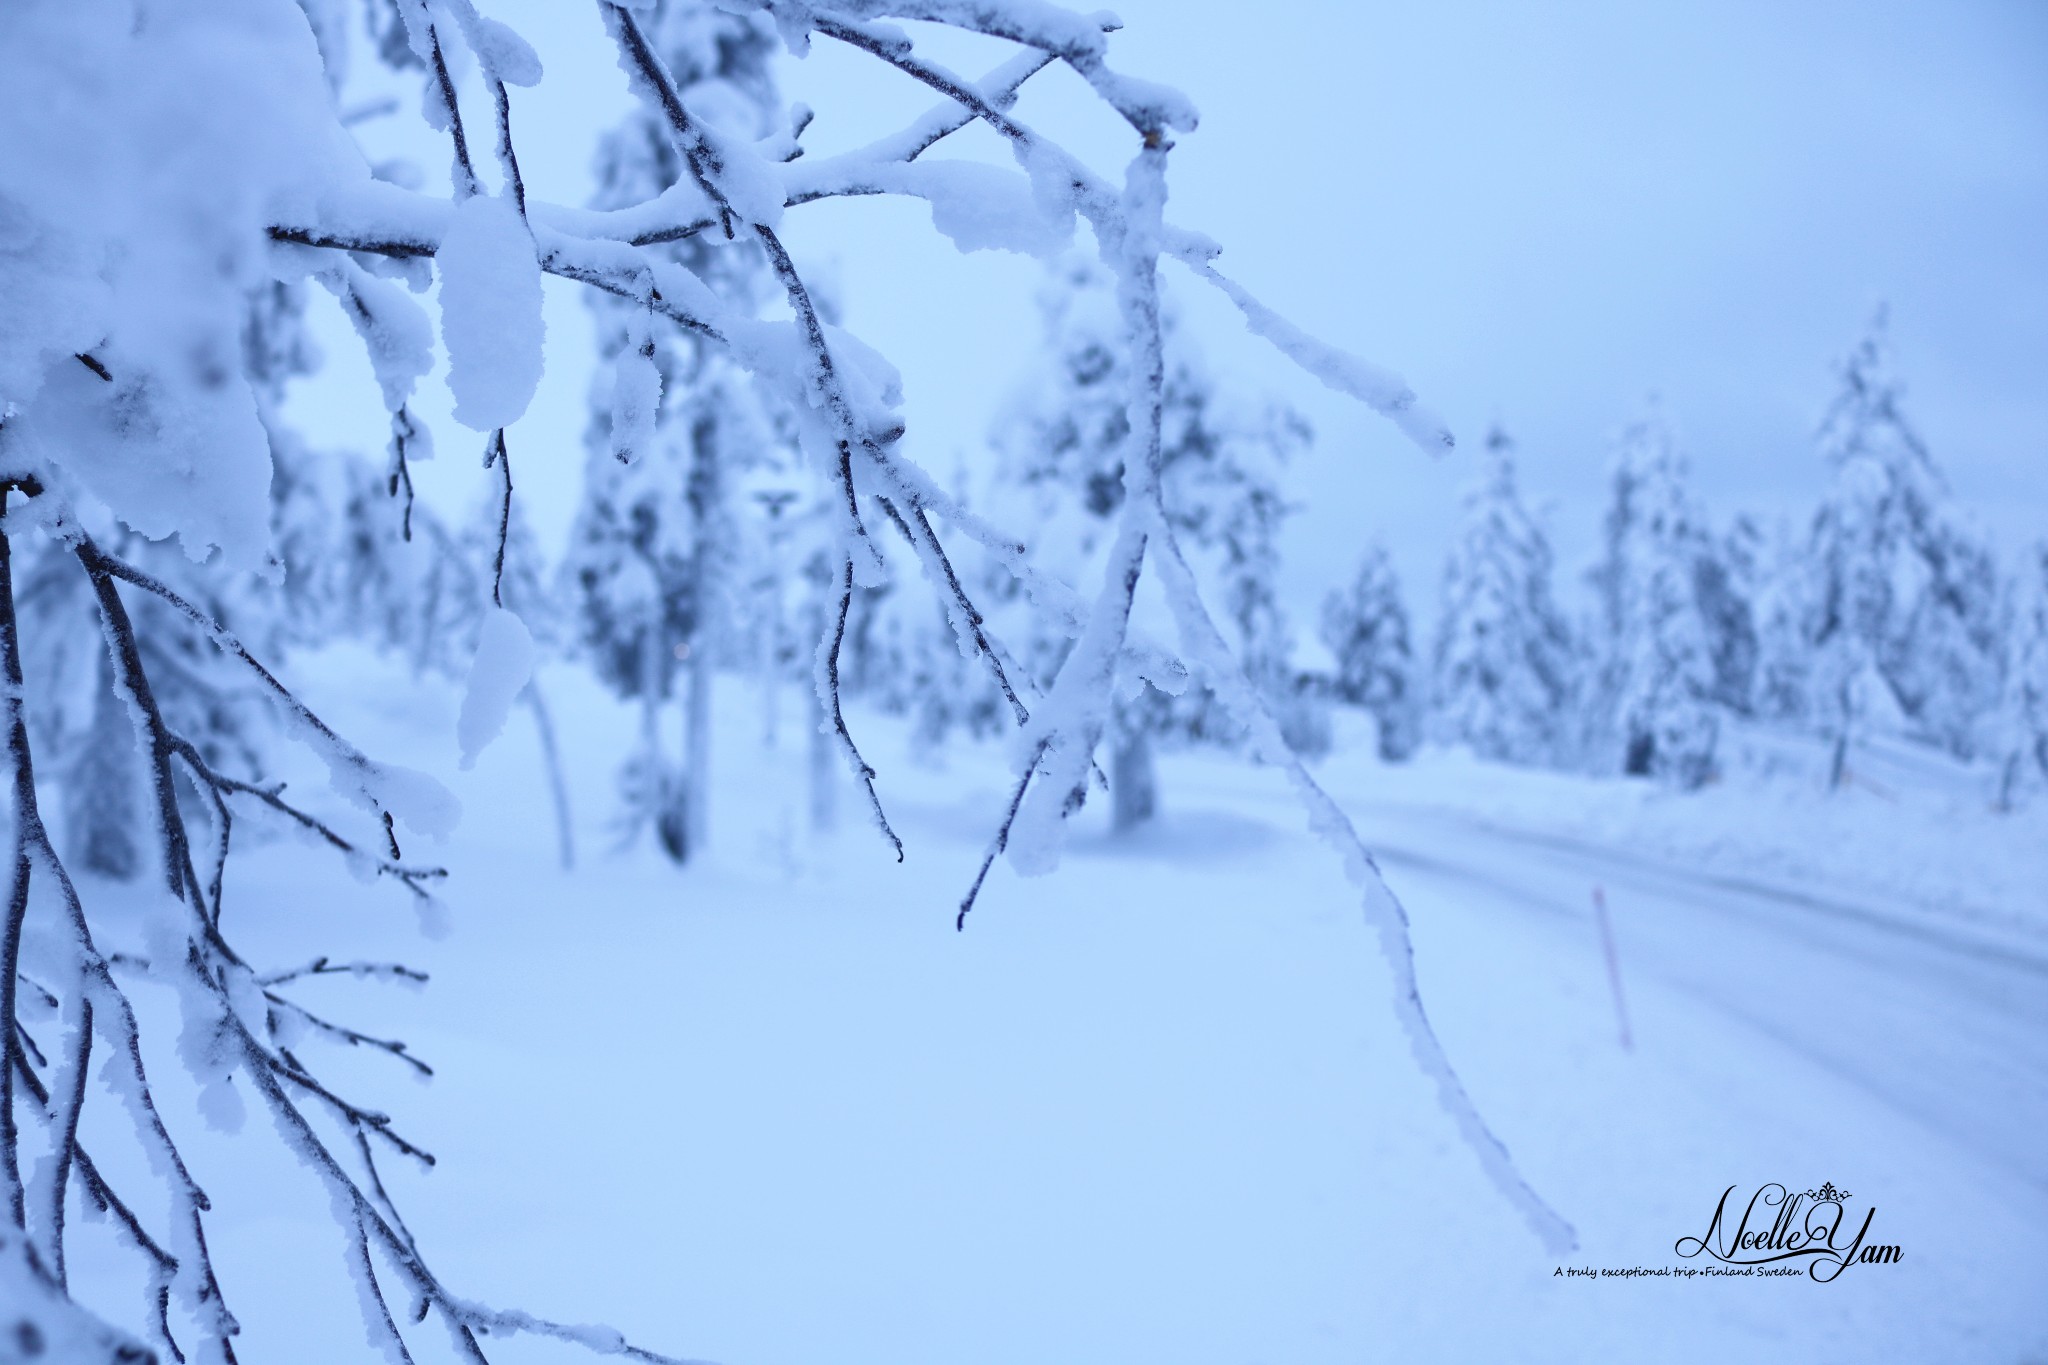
[1771, 1227]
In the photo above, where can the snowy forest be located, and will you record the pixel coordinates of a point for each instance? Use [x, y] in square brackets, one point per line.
[868, 868]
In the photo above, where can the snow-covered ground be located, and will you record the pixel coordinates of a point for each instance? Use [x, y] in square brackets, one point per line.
[773, 1110]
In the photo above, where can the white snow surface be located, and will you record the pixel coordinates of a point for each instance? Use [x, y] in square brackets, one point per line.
[1155, 1108]
[490, 312]
[504, 661]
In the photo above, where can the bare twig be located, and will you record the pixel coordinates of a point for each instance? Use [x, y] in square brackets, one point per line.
[496, 453]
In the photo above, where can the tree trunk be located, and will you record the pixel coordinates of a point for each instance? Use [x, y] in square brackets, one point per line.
[551, 758]
[704, 495]
[1846, 701]
[824, 765]
[1641, 755]
[1133, 782]
[697, 745]
[661, 789]
[101, 794]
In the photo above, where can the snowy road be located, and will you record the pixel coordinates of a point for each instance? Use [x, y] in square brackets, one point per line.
[1946, 1028]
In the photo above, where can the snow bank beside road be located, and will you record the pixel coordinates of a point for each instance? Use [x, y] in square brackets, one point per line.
[1911, 834]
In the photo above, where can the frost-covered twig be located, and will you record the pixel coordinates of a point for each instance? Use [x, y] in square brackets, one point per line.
[966, 618]
[409, 876]
[106, 1201]
[1001, 840]
[69, 1102]
[344, 1033]
[828, 690]
[320, 966]
[496, 454]
[190, 1272]
[356, 776]
[218, 993]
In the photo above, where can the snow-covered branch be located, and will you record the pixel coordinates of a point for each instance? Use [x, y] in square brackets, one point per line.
[99, 430]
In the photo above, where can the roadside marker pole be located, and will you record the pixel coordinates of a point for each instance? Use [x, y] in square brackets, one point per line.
[1613, 965]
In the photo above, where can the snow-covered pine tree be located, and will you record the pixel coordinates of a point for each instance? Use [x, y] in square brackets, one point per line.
[649, 577]
[786, 583]
[2021, 731]
[1501, 669]
[1728, 577]
[1782, 689]
[1365, 627]
[1059, 449]
[1903, 595]
[673, 427]
[1657, 681]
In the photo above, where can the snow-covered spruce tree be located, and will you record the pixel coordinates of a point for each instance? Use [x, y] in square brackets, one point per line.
[673, 429]
[1365, 627]
[1781, 686]
[159, 162]
[1903, 596]
[1657, 680]
[650, 572]
[788, 593]
[1501, 670]
[2021, 731]
[1059, 474]
[1727, 581]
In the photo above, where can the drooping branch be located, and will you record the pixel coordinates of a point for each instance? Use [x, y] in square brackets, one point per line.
[64, 1136]
[103, 1005]
[407, 875]
[106, 1201]
[155, 737]
[24, 794]
[1001, 840]
[966, 619]
[103, 568]
[496, 453]
[347, 1035]
[404, 430]
[699, 156]
[507, 157]
[1381, 390]
[828, 689]
[320, 966]
[466, 182]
